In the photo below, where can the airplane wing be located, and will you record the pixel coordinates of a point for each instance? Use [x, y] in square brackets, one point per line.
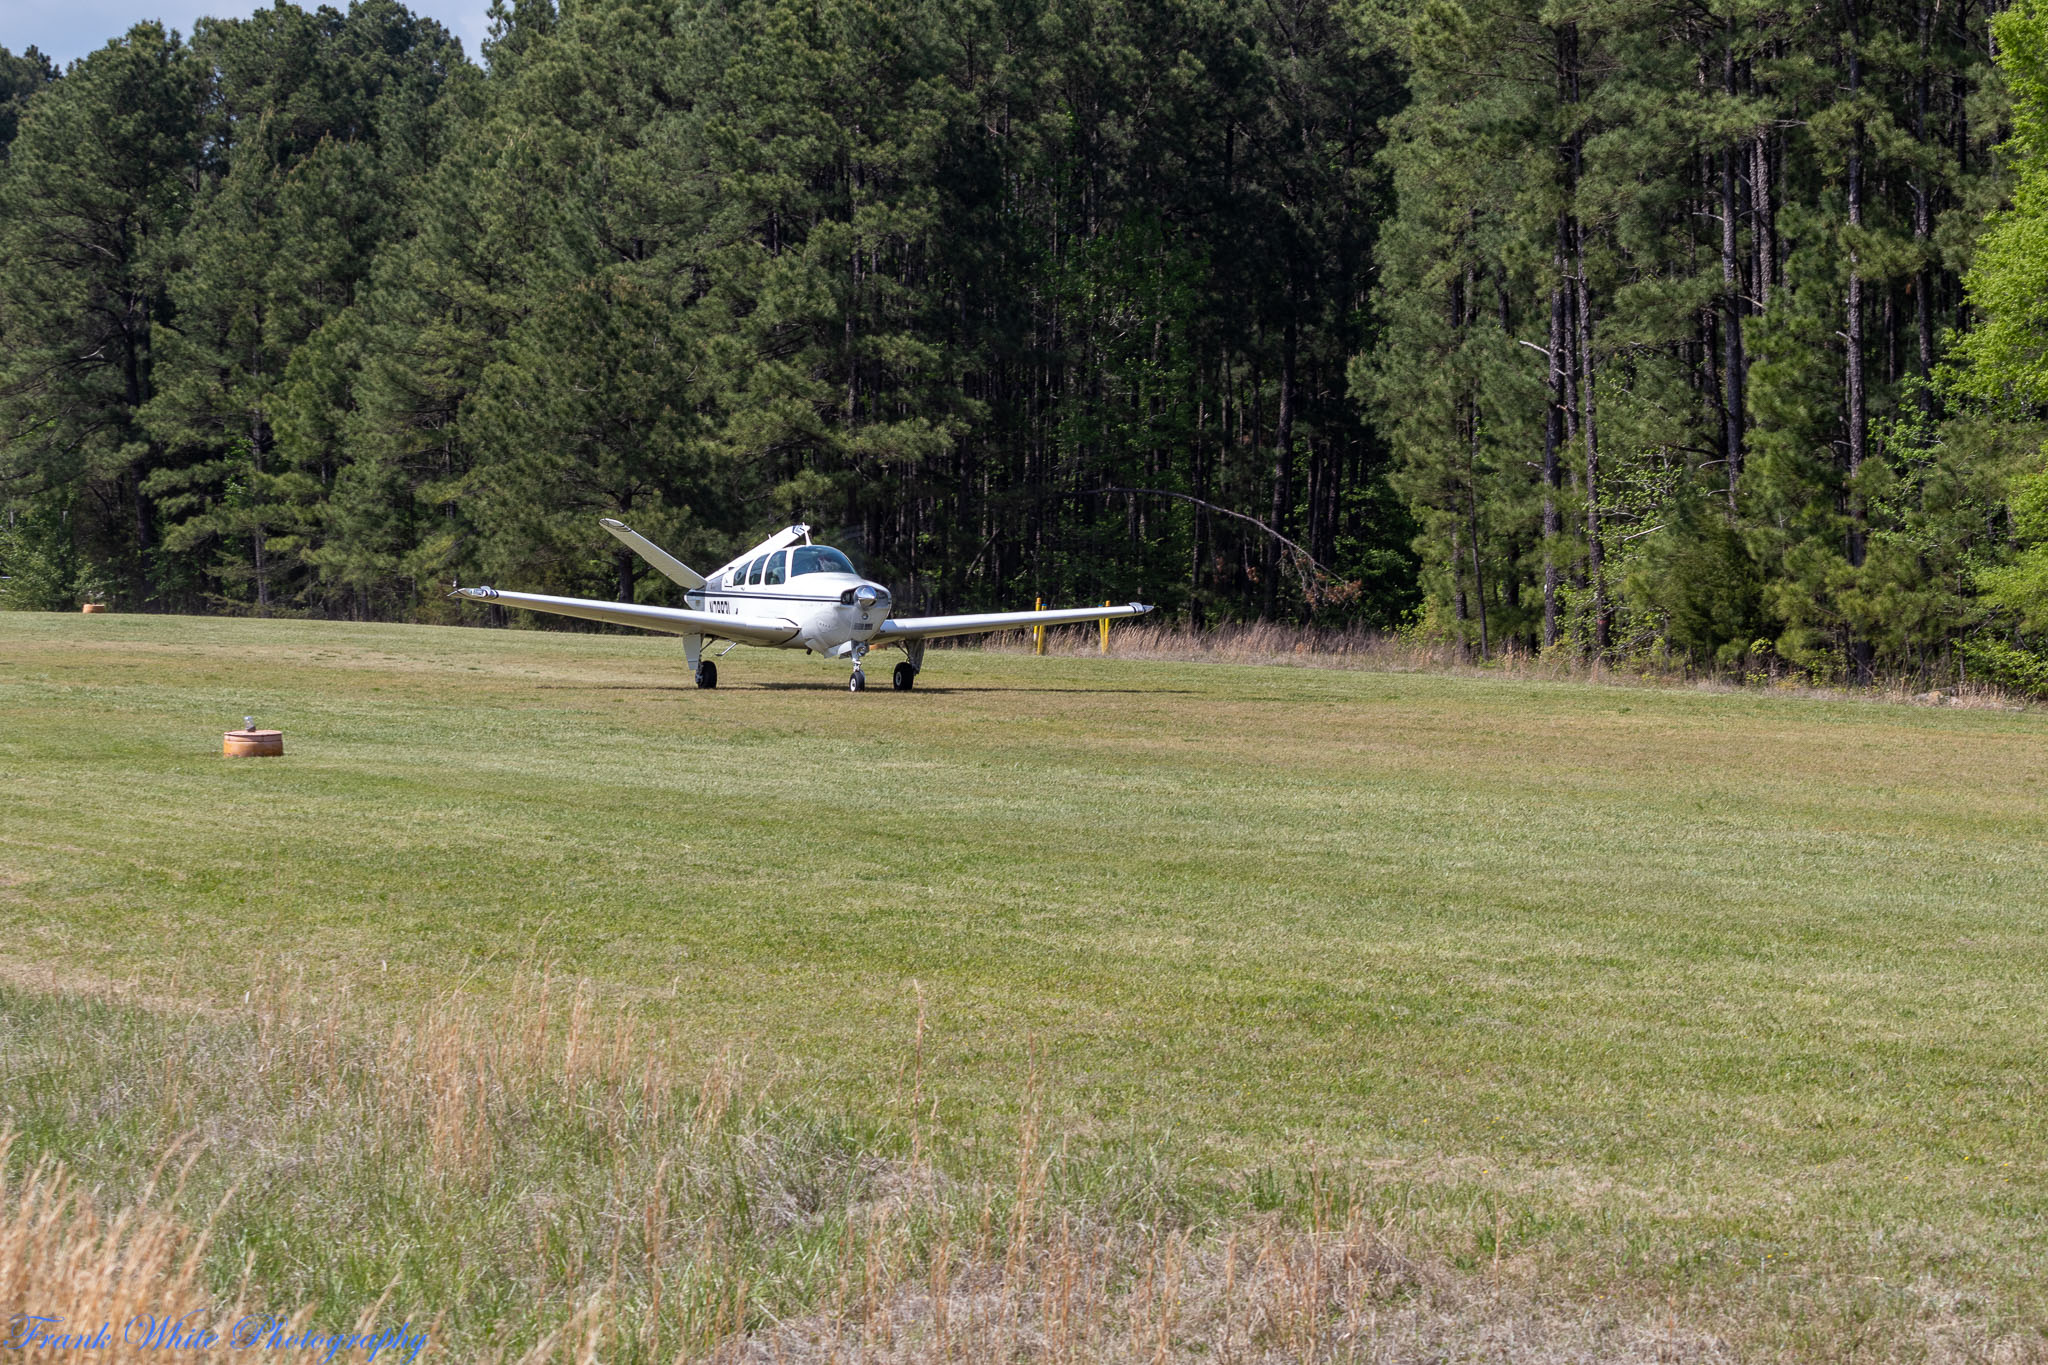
[931, 627]
[751, 630]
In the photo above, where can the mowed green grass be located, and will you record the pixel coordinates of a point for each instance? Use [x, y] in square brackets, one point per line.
[1716, 992]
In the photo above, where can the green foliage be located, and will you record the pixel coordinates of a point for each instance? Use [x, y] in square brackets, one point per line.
[2003, 362]
[40, 567]
[2004, 359]
[20, 78]
[1706, 591]
[93, 195]
[2018, 586]
[2006, 664]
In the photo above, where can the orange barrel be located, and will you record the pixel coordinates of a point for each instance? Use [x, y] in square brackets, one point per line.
[93, 608]
[252, 743]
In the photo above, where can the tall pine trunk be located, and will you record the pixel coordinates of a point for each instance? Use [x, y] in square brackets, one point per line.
[1731, 285]
[1859, 412]
[1472, 505]
[1583, 344]
[1556, 428]
[1283, 464]
[1764, 225]
[1923, 218]
[1553, 439]
[1594, 554]
[1199, 525]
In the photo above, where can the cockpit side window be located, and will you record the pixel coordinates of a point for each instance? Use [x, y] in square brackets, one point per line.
[776, 563]
[754, 570]
[817, 559]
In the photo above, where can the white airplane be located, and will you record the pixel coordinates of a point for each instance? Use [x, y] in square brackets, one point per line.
[785, 593]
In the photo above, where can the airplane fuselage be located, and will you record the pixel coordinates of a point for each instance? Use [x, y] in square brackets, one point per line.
[830, 607]
[822, 607]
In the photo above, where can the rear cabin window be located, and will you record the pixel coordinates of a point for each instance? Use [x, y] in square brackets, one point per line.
[776, 563]
[817, 559]
[754, 571]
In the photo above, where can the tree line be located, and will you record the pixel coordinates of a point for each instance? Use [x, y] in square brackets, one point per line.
[1679, 310]
[1632, 328]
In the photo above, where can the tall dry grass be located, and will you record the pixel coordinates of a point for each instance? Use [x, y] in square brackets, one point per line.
[1377, 651]
[1264, 642]
[129, 1285]
[73, 1277]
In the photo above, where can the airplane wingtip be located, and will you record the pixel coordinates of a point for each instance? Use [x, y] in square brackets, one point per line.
[613, 524]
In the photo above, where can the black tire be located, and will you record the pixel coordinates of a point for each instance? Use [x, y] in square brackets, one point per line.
[858, 682]
[905, 675]
[707, 674]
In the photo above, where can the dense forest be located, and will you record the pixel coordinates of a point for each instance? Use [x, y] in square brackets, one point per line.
[1643, 329]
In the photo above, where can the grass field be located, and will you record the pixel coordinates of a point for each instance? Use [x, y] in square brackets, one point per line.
[1722, 1013]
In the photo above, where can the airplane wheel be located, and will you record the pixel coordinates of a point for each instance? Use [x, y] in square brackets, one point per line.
[858, 682]
[707, 674]
[905, 675]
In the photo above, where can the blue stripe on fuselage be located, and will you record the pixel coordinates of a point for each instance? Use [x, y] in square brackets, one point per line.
[759, 596]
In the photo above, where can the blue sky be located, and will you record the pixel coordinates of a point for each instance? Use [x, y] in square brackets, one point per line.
[68, 29]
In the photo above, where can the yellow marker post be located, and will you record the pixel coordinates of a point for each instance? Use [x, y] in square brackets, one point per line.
[1038, 632]
[1105, 632]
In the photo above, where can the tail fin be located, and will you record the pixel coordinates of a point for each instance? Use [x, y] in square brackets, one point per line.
[671, 568]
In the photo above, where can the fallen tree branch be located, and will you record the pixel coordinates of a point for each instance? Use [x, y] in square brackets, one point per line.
[1319, 583]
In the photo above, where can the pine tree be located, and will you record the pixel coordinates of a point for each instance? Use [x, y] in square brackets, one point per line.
[97, 185]
[317, 123]
[21, 78]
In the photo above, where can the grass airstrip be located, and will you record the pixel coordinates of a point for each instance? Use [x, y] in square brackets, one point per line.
[1721, 1012]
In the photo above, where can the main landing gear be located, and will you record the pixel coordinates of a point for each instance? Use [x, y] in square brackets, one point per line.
[905, 676]
[707, 675]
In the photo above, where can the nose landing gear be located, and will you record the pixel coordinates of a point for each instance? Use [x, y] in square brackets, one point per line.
[859, 681]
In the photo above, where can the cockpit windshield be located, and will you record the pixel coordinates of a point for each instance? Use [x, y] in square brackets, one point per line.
[817, 559]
